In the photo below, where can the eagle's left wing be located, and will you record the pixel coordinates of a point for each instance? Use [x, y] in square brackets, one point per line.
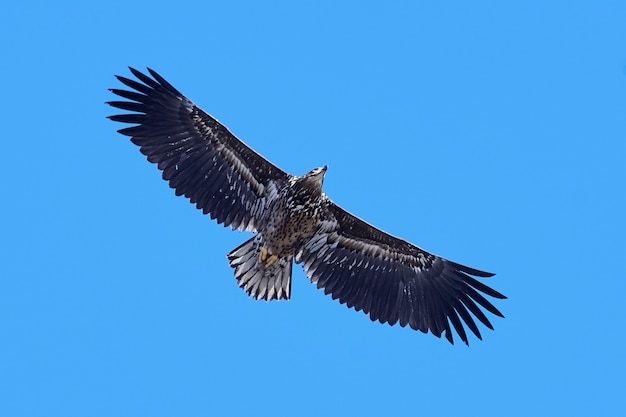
[199, 156]
[393, 280]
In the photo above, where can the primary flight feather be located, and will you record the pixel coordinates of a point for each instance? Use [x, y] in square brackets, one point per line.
[365, 268]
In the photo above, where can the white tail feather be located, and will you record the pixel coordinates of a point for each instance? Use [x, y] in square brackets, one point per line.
[258, 280]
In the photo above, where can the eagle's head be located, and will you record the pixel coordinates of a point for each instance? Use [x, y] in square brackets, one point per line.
[313, 180]
[317, 176]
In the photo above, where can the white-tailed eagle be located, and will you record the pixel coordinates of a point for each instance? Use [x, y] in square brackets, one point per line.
[363, 267]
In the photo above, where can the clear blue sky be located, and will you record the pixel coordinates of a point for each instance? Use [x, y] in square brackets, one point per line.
[492, 134]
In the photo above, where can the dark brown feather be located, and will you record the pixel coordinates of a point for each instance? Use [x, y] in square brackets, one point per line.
[199, 157]
[393, 280]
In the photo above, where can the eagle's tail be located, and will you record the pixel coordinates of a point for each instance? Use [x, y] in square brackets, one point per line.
[267, 280]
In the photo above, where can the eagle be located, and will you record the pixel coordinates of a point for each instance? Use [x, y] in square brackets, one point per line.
[358, 264]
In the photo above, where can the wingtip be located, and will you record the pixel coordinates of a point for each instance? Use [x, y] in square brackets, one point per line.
[472, 271]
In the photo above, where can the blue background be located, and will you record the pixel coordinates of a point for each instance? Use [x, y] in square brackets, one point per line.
[489, 133]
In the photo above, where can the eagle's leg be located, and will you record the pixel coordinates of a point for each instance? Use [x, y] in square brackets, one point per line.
[262, 255]
[271, 260]
[264, 259]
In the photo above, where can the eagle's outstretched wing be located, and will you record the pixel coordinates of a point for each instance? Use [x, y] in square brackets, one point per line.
[393, 280]
[199, 157]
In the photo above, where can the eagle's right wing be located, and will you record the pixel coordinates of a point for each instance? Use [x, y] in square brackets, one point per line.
[393, 280]
[200, 157]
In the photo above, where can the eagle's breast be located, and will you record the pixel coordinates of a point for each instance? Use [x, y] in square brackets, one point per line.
[293, 218]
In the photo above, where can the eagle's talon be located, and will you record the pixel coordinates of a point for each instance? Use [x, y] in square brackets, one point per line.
[264, 259]
[271, 260]
[263, 255]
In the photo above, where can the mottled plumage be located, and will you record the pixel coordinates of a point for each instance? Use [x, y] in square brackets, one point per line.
[369, 270]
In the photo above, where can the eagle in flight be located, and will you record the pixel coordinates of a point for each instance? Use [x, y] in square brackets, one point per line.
[363, 267]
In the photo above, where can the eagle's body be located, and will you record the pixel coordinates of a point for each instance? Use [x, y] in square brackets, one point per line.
[390, 279]
[294, 216]
[295, 212]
